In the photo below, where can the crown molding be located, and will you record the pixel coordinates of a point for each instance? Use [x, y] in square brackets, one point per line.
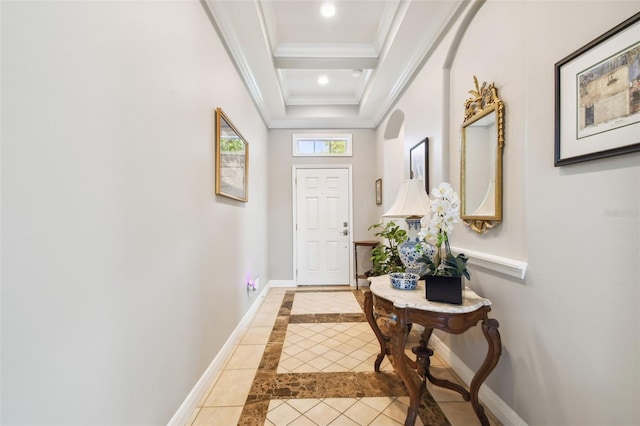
[389, 64]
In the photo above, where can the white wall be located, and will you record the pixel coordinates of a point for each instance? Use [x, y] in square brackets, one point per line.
[122, 273]
[584, 265]
[571, 329]
[423, 117]
[281, 161]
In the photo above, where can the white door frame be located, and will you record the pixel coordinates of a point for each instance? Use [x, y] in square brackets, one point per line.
[294, 169]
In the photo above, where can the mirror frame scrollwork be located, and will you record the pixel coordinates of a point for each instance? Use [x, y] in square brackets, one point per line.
[484, 100]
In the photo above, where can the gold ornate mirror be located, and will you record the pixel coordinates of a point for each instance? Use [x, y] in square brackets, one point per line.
[481, 158]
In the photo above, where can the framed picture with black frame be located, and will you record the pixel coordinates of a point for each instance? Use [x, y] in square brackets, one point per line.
[597, 97]
[419, 162]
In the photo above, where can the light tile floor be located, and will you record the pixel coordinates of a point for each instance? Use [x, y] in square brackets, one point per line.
[318, 348]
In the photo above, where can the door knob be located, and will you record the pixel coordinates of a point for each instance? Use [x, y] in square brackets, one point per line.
[345, 232]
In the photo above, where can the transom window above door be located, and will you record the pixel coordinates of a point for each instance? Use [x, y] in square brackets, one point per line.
[321, 145]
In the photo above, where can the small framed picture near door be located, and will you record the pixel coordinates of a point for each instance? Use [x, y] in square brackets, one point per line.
[419, 162]
[379, 192]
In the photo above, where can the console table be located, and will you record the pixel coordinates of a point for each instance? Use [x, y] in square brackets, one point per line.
[401, 308]
[356, 244]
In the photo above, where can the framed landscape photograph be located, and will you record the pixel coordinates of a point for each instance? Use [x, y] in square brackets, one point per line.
[419, 162]
[597, 97]
[232, 160]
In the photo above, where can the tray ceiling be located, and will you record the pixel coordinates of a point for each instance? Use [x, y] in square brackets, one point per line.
[367, 51]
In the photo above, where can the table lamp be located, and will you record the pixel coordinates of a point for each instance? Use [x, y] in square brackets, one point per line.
[412, 203]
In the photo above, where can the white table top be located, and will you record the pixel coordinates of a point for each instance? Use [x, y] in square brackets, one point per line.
[416, 299]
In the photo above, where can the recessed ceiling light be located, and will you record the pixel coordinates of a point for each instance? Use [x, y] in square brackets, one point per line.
[328, 10]
[356, 73]
[323, 79]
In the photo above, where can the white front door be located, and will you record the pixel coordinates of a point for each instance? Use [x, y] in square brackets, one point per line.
[323, 228]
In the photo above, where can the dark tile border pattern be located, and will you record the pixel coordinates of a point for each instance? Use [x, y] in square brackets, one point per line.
[268, 385]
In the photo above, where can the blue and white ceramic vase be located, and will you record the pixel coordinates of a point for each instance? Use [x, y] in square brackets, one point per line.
[407, 250]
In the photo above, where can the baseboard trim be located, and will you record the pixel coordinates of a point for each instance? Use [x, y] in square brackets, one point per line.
[183, 415]
[282, 283]
[493, 402]
[489, 398]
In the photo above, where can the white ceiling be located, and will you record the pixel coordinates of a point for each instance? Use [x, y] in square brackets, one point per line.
[369, 51]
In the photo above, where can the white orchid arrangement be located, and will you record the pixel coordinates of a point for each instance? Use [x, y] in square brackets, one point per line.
[436, 228]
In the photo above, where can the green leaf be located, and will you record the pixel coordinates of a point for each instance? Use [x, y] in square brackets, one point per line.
[454, 266]
[385, 257]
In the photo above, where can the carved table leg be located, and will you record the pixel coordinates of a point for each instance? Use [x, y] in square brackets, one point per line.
[423, 353]
[443, 383]
[398, 340]
[368, 311]
[490, 330]
[426, 335]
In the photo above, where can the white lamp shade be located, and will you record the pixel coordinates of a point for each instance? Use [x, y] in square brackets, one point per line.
[412, 200]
